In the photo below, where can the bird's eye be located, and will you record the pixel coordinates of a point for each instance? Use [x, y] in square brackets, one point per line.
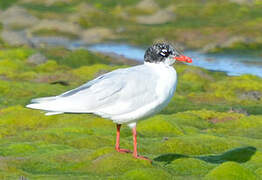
[164, 53]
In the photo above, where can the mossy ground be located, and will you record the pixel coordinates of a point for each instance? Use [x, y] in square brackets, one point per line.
[211, 129]
[195, 23]
[195, 137]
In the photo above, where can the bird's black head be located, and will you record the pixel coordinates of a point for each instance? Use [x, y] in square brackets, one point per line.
[165, 53]
[160, 52]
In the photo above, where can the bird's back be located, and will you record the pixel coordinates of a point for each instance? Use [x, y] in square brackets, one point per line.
[122, 95]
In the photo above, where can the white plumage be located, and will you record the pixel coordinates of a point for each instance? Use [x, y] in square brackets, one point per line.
[123, 95]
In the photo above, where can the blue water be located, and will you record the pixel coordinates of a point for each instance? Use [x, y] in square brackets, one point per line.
[233, 65]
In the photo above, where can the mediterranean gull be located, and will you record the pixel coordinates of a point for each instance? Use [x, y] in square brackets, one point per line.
[123, 95]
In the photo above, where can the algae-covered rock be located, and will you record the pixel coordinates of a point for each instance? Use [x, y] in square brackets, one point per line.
[259, 172]
[159, 126]
[146, 173]
[16, 53]
[160, 17]
[17, 17]
[97, 34]
[77, 58]
[115, 163]
[21, 92]
[194, 137]
[63, 27]
[230, 171]
[247, 126]
[190, 166]
[100, 152]
[89, 72]
[91, 142]
[254, 163]
[239, 88]
[188, 118]
[15, 38]
[196, 145]
[216, 117]
[147, 4]
[48, 66]
[21, 149]
[234, 44]
[17, 119]
[37, 59]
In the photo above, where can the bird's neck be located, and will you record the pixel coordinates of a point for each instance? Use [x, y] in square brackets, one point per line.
[158, 64]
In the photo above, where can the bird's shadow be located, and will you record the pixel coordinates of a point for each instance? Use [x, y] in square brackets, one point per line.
[240, 155]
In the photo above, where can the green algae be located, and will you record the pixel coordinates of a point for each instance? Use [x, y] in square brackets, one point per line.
[16, 53]
[196, 136]
[146, 173]
[244, 83]
[6, 4]
[259, 172]
[190, 166]
[16, 119]
[90, 72]
[115, 163]
[98, 18]
[159, 126]
[196, 145]
[60, 7]
[254, 163]
[55, 33]
[49, 66]
[246, 126]
[220, 93]
[12, 62]
[230, 170]
[75, 58]
[21, 92]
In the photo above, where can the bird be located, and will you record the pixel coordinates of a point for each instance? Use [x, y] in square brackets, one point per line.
[124, 95]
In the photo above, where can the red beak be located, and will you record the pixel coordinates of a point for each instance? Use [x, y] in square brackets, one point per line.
[183, 59]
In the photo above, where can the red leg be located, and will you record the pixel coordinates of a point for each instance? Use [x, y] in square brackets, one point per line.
[118, 126]
[135, 147]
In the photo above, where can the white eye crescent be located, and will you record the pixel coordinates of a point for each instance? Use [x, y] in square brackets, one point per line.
[163, 54]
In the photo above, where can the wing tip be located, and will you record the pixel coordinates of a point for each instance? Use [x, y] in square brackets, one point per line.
[50, 113]
[31, 106]
[43, 99]
[47, 113]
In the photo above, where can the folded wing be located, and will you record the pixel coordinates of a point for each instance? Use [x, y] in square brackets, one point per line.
[120, 91]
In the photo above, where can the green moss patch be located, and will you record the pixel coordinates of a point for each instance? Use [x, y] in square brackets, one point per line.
[115, 163]
[146, 173]
[159, 126]
[196, 145]
[230, 170]
[211, 128]
[190, 166]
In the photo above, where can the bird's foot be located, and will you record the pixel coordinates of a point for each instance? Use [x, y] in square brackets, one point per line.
[142, 157]
[123, 150]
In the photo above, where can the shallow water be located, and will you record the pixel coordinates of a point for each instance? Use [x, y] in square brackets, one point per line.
[232, 64]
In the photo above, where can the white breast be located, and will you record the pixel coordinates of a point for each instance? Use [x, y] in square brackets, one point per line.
[164, 90]
[166, 85]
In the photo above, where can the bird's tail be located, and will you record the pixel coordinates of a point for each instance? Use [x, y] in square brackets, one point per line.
[40, 103]
[43, 99]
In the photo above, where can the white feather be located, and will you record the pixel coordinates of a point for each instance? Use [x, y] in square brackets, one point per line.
[52, 113]
[123, 95]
